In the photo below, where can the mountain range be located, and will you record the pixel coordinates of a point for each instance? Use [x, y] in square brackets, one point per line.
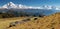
[20, 6]
[15, 9]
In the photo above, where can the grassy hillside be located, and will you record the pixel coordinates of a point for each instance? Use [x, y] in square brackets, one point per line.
[46, 22]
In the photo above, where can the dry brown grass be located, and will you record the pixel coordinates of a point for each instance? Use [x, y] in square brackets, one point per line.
[47, 22]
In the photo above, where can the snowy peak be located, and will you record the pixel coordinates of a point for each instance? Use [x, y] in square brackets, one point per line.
[50, 7]
[47, 7]
[22, 6]
[9, 5]
[12, 5]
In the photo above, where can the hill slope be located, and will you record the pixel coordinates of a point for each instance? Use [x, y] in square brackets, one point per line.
[46, 22]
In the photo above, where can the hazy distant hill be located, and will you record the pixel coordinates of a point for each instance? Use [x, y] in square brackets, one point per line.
[25, 12]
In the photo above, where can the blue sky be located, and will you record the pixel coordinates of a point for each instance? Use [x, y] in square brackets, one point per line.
[32, 2]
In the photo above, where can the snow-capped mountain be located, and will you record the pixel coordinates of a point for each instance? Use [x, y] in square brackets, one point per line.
[12, 5]
[13, 8]
[9, 5]
[20, 6]
[46, 7]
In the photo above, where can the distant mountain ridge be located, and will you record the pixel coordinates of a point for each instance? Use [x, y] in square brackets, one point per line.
[20, 6]
[17, 10]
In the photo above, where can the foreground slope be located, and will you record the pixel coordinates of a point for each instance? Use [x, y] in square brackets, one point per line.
[46, 22]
